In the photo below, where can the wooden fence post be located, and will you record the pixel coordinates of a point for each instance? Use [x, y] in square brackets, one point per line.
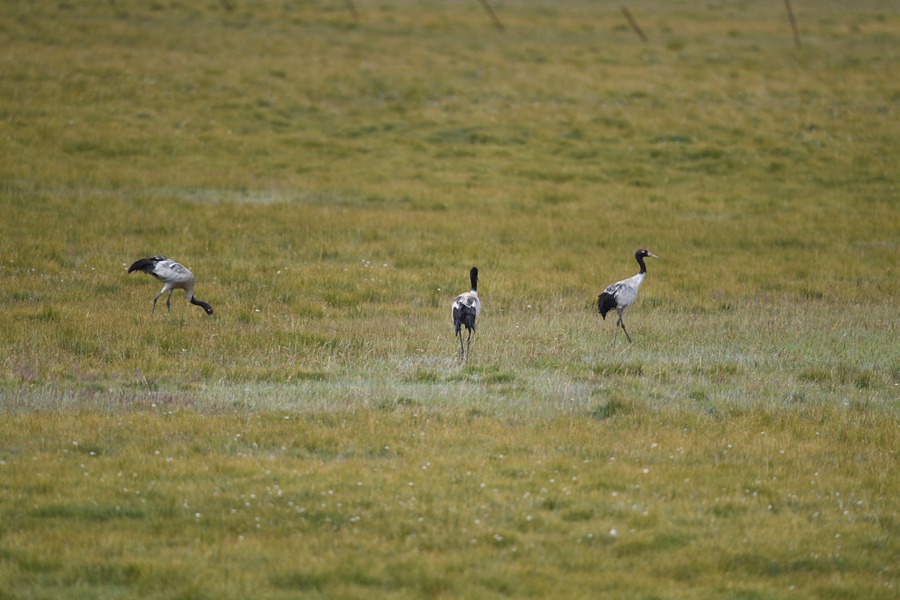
[634, 24]
[794, 30]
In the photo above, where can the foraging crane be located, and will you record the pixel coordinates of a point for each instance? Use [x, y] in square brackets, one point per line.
[174, 276]
[622, 294]
[465, 310]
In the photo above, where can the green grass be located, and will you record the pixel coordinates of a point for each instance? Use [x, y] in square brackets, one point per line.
[402, 504]
[330, 181]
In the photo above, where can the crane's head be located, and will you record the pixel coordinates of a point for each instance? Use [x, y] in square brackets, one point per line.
[643, 252]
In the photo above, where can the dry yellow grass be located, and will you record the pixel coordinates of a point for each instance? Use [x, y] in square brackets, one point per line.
[330, 182]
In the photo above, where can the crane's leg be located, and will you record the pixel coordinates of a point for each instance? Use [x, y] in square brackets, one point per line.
[155, 299]
[622, 323]
[169, 301]
[468, 345]
[462, 353]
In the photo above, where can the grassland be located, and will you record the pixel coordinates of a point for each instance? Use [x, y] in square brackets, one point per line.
[330, 181]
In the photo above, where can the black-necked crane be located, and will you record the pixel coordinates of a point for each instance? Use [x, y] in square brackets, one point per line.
[622, 294]
[465, 310]
[174, 276]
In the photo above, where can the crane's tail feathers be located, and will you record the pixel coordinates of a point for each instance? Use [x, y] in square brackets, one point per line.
[464, 316]
[605, 303]
[145, 264]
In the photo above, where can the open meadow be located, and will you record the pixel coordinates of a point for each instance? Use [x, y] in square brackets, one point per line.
[330, 171]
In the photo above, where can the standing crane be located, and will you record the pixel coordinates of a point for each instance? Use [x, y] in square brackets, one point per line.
[174, 276]
[622, 294]
[465, 310]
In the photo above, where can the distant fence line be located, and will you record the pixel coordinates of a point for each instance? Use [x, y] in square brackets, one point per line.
[632, 22]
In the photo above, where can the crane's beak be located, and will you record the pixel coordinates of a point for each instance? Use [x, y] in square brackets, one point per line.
[651, 254]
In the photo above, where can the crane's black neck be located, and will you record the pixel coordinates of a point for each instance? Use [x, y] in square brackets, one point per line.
[640, 260]
[473, 275]
[204, 305]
